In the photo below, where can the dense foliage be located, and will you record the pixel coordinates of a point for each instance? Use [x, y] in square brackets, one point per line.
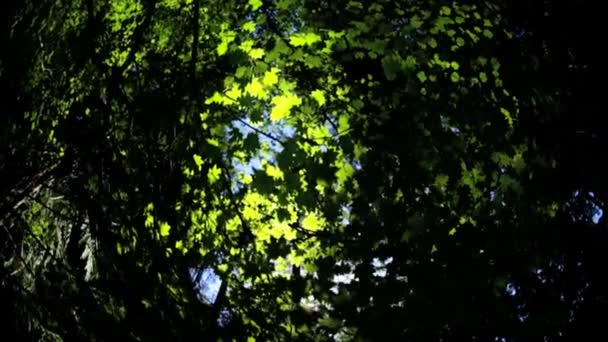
[302, 170]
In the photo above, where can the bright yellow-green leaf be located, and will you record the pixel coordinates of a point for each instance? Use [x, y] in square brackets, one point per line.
[213, 142]
[283, 104]
[198, 160]
[280, 265]
[270, 77]
[226, 38]
[296, 259]
[255, 88]
[149, 221]
[213, 175]
[452, 231]
[216, 98]
[289, 233]
[312, 222]
[233, 224]
[247, 45]
[302, 39]
[234, 93]
[165, 228]
[277, 229]
[249, 26]
[343, 124]
[256, 53]
[345, 171]
[274, 172]
[245, 178]
[319, 96]
[255, 4]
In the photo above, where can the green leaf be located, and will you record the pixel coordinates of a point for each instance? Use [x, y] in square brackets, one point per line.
[225, 39]
[445, 11]
[274, 172]
[483, 77]
[343, 124]
[319, 96]
[212, 142]
[415, 22]
[213, 175]
[283, 104]
[391, 64]
[255, 4]
[303, 39]
[256, 53]
[345, 171]
[441, 181]
[234, 93]
[249, 26]
[409, 63]
[311, 222]
[198, 160]
[421, 76]
[507, 116]
[270, 77]
[255, 88]
[165, 228]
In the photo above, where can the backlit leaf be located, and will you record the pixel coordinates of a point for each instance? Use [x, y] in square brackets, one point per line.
[165, 228]
[303, 39]
[319, 96]
[282, 105]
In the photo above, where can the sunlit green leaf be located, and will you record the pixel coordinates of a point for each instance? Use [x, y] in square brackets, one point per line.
[270, 77]
[165, 228]
[255, 4]
[282, 105]
[319, 96]
[213, 175]
[303, 39]
[198, 160]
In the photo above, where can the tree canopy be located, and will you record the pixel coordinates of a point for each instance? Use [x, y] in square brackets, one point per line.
[277, 170]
